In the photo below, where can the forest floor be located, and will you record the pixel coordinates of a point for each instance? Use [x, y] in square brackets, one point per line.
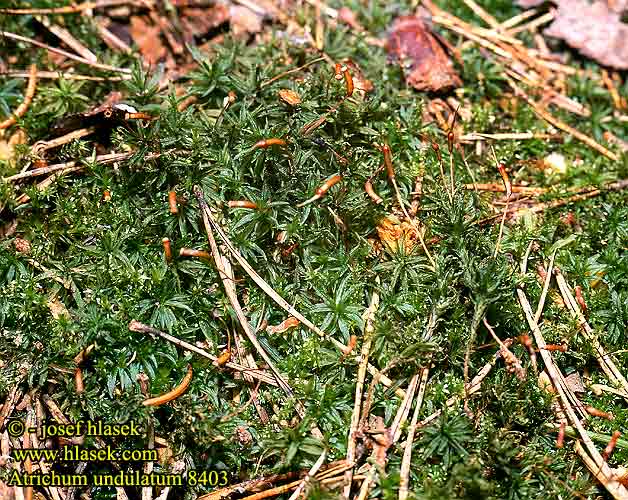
[311, 249]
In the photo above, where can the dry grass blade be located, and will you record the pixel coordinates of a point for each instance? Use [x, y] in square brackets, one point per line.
[56, 75]
[136, 326]
[274, 295]
[604, 359]
[229, 285]
[597, 465]
[391, 436]
[279, 490]
[500, 188]
[407, 453]
[369, 329]
[317, 465]
[227, 279]
[67, 37]
[69, 55]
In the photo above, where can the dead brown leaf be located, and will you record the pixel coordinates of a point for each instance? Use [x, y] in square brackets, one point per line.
[593, 28]
[147, 37]
[57, 309]
[244, 21]
[421, 56]
[199, 22]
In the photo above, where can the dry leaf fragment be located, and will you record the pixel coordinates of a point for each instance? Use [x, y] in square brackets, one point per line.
[290, 97]
[57, 309]
[423, 59]
[22, 246]
[244, 21]
[199, 22]
[147, 37]
[361, 84]
[574, 382]
[7, 147]
[594, 29]
[392, 232]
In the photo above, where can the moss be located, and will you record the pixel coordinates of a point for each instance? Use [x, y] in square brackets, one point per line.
[110, 253]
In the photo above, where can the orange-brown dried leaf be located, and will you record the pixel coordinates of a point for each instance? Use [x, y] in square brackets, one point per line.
[394, 233]
[423, 59]
[290, 97]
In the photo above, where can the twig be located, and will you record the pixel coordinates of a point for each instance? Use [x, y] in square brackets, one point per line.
[607, 479]
[541, 207]
[136, 326]
[9, 404]
[518, 19]
[279, 490]
[482, 14]
[110, 39]
[41, 146]
[500, 188]
[369, 329]
[28, 97]
[255, 484]
[104, 159]
[13, 36]
[608, 83]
